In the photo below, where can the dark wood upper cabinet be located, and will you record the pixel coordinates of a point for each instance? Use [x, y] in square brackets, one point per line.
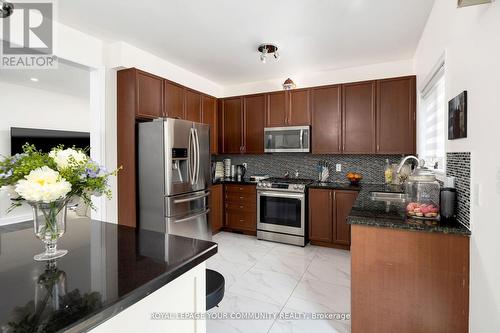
[209, 117]
[344, 200]
[193, 105]
[149, 96]
[254, 119]
[173, 104]
[396, 115]
[277, 109]
[326, 120]
[358, 130]
[298, 110]
[288, 108]
[320, 215]
[231, 125]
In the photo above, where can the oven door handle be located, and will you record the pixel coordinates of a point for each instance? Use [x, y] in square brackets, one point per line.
[281, 195]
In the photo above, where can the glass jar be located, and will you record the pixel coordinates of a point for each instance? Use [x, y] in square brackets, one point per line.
[422, 191]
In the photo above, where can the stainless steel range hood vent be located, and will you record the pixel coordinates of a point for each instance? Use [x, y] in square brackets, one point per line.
[466, 3]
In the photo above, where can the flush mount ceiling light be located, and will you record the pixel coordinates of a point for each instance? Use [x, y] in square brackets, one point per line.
[266, 49]
[34, 79]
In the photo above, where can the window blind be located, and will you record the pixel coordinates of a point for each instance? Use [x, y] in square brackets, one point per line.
[432, 122]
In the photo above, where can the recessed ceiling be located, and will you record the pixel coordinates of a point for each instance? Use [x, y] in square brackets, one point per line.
[218, 39]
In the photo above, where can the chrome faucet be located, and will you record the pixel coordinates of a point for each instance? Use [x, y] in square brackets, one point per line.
[403, 161]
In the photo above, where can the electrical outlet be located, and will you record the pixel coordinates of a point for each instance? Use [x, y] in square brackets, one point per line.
[338, 167]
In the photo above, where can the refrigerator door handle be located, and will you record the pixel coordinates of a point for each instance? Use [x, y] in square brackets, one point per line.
[178, 201]
[193, 217]
[192, 157]
[197, 178]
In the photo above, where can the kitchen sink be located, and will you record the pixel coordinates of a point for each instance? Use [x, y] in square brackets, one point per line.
[388, 196]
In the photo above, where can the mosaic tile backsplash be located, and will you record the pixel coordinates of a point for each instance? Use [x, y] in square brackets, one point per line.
[458, 166]
[371, 167]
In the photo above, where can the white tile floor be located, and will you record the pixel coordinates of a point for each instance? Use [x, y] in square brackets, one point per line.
[270, 277]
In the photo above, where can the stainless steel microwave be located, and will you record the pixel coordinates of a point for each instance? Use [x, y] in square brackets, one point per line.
[291, 139]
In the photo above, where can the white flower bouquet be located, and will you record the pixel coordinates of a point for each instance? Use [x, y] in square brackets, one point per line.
[47, 182]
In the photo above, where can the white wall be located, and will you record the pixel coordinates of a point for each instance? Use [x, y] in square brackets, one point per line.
[123, 55]
[469, 38]
[23, 106]
[78, 47]
[344, 75]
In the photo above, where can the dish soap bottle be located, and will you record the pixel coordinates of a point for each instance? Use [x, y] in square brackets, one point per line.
[388, 172]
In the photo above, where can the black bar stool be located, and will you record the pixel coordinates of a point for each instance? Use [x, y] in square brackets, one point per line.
[215, 288]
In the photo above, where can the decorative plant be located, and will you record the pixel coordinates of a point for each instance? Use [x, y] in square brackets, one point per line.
[62, 173]
[48, 182]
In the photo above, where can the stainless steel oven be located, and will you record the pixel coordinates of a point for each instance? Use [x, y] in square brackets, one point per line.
[281, 211]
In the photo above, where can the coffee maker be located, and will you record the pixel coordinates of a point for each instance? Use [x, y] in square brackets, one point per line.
[240, 172]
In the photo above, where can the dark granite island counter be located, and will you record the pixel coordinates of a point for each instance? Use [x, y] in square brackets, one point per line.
[113, 277]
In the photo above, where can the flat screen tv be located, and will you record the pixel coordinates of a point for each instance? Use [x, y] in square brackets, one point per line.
[45, 140]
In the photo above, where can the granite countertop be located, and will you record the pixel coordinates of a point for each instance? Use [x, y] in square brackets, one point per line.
[378, 214]
[244, 181]
[108, 268]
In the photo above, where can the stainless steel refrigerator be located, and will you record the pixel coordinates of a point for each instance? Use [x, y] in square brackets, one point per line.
[174, 177]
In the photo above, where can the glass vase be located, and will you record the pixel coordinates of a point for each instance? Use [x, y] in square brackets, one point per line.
[50, 224]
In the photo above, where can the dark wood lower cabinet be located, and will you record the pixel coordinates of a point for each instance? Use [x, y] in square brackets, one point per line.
[216, 208]
[328, 211]
[240, 208]
[344, 200]
[408, 281]
[320, 215]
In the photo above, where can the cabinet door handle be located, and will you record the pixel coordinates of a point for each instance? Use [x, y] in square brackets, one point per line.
[334, 196]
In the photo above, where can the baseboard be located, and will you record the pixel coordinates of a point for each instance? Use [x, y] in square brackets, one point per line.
[240, 231]
[335, 246]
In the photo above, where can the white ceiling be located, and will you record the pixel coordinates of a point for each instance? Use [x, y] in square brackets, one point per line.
[68, 79]
[218, 39]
